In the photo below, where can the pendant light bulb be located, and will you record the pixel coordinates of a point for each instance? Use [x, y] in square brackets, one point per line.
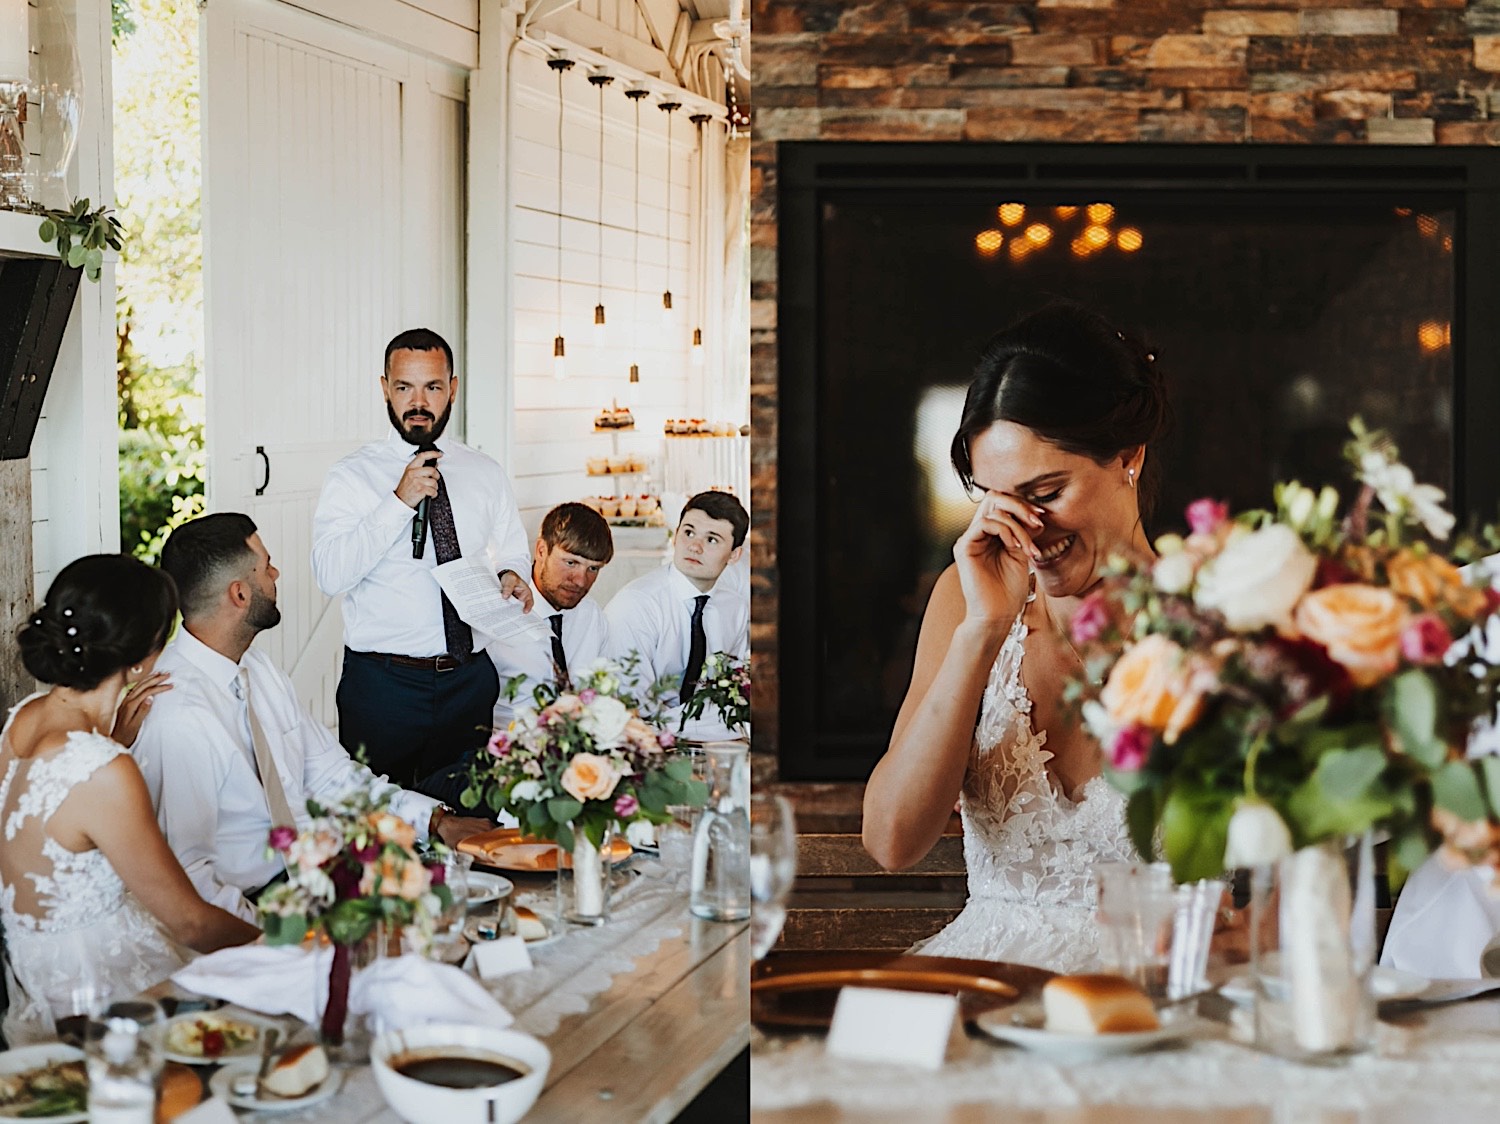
[599, 325]
[559, 359]
[667, 313]
[695, 353]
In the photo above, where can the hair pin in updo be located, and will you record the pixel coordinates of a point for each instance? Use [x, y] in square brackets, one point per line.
[1150, 357]
[37, 621]
[67, 612]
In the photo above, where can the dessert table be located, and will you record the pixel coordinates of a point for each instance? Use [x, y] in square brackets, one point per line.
[640, 1014]
[1439, 1065]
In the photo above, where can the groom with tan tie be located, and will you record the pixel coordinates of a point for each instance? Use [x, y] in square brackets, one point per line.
[229, 751]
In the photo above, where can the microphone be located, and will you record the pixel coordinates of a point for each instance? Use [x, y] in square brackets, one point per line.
[419, 521]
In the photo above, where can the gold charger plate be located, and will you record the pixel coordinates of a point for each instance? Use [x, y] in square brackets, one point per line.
[508, 849]
[799, 989]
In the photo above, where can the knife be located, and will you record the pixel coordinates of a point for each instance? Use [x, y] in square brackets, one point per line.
[267, 1055]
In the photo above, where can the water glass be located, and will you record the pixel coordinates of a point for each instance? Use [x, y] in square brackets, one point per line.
[1153, 932]
[448, 943]
[773, 868]
[492, 920]
[124, 1067]
[720, 885]
[674, 839]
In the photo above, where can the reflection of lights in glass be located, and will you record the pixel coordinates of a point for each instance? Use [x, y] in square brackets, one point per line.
[1403, 212]
[1129, 239]
[1100, 212]
[1434, 336]
[1038, 234]
[1011, 213]
[1019, 248]
[1080, 247]
[988, 242]
[1427, 225]
[1447, 243]
[1096, 236]
[1065, 212]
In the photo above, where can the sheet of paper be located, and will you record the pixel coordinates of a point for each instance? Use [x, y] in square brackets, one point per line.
[875, 1024]
[474, 590]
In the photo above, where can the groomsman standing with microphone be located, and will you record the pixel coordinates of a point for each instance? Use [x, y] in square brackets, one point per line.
[417, 689]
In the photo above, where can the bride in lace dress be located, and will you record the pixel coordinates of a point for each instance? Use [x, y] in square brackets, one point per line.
[1054, 443]
[94, 904]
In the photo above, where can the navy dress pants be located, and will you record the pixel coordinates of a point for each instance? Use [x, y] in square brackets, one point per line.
[412, 722]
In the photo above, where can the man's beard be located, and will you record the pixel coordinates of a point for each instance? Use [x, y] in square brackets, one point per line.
[264, 612]
[433, 432]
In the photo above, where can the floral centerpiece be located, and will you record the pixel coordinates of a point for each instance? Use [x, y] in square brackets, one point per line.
[1288, 677]
[580, 764]
[724, 685]
[1280, 683]
[354, 869]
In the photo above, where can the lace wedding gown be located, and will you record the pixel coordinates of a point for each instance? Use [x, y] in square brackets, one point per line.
[1029, 849]
[73, 933]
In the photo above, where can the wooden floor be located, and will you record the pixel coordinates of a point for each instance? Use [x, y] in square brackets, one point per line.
[843, 899]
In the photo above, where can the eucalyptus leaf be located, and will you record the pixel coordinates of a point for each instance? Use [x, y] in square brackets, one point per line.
[75, 256]
[1348, 774]
[1141, 812]
[537, 816]
[1490, 768]
[48, 230]
[564, 837]
[563, 809]
[1195, 827]
[679, 769]
[1410, 703]
[1456, 789]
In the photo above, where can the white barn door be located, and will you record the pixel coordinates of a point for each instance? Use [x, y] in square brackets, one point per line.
[333, 189]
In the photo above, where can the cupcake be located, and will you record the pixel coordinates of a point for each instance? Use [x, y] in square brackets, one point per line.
[627, 507]
[609, 507]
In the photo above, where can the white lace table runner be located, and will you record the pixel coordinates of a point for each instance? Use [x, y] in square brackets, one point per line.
[1457, 1072]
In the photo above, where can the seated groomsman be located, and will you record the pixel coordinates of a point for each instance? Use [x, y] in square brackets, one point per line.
[573, 545]
[674, 617]
[229, 751]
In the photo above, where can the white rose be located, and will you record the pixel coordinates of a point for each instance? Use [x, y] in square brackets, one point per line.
[1257, 836]
[605, 719]
[1173, 573]
[1257, 578]
[640, 833]
[526, 790]
[1427, 506]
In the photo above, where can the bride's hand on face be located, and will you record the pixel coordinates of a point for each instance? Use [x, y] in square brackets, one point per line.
[994, 557]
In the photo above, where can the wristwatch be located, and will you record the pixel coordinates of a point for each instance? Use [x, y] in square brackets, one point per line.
[439, 813]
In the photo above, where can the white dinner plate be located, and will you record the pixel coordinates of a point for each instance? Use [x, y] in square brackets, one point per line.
[485, 887]
[1060, 1047]
[244, 1050]
[1387, 984]
[23, 1058]
[222, 1084]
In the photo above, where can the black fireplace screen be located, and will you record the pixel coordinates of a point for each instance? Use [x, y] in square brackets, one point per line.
[1284, 292]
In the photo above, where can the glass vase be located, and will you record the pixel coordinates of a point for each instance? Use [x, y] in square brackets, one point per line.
[1312, 918]
[583, 880]
[344, 1037]
[720, 889]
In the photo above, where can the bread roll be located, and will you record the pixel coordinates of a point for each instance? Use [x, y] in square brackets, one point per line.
[529, 926]
[1096, 1005]
[297, 1072]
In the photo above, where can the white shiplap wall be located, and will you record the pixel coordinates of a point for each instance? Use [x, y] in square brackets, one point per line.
[554, 419]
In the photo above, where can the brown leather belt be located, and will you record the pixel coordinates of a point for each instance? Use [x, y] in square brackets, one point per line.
[444, 662]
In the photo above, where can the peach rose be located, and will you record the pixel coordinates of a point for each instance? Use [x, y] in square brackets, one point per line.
[409, 882]
[1154, 685]
[590, 777]
[391, 828]
[1359, 625]
[1431, 580]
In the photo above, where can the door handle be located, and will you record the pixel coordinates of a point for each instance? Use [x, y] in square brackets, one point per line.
[260, 451]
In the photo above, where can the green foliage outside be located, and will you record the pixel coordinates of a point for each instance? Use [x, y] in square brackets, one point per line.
[159, 317]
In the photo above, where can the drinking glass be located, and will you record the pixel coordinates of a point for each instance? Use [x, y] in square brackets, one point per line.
[1153, 932]
[448, 943]
[720, 885]
[773, 868]
[124, 1066]
[674, 839]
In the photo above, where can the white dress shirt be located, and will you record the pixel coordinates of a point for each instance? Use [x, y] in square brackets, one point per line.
[362, 542]
[195, 752]
[653, 616]
[585, 634]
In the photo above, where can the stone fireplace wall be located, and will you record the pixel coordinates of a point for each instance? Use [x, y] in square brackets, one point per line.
[1407, 72]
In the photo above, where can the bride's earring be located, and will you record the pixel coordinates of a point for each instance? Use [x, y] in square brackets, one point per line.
[1131, 474]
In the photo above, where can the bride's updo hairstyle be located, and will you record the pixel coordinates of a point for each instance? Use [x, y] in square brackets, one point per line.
[103, 613]
[1077, 382]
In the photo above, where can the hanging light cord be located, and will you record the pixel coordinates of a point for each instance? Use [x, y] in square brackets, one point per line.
[600, 81]
[560, 63]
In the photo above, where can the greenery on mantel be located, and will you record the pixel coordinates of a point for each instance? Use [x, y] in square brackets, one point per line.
[82, 235]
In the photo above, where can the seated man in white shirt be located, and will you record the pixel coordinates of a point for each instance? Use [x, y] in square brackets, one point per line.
[676, 616]
[572, 547]
[232, 720]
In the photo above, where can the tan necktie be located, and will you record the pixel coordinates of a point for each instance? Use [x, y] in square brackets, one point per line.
[270, 779]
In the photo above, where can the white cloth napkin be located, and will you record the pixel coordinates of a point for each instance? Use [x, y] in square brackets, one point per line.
[396, 992]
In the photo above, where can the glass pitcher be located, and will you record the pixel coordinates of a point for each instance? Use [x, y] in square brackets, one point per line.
[721, 840]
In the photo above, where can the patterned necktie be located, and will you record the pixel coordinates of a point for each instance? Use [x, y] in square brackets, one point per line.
[559, 657]
[697, 650]
[456, 633]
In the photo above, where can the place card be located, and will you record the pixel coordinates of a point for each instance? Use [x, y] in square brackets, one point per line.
[876, 1024]
[211, 1111]
[493, 959]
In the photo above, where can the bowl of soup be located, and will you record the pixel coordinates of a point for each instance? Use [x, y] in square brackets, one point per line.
[450, 1073]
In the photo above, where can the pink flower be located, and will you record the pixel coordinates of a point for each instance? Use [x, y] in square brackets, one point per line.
[437, 873]
[666, 739]
[282, 838]
[1206, 516]
[1128, 749]
[626, 805]
[587, 695]
[1425, 639]
[499, 745]
[1090, 619]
